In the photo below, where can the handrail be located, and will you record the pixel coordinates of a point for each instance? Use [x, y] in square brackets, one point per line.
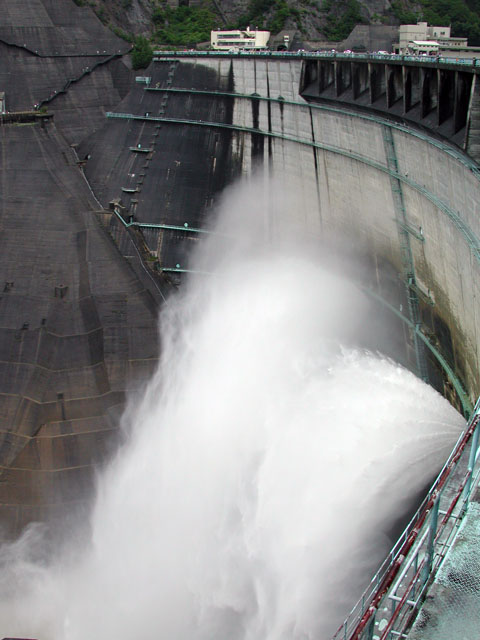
[413, 548]
[333, 55]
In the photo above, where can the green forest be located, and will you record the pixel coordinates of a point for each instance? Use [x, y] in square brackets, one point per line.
[183, 26]
[186, 26]
[462, 15]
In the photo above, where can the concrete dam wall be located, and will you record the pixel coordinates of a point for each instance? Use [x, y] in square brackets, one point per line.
[393, 195]
[95, 197]
[78, 327]
[82, 290]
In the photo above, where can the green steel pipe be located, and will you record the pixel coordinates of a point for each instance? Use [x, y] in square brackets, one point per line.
[470, 237]
[450, 150]
[153, 225]
[463, 396]
[181, 270]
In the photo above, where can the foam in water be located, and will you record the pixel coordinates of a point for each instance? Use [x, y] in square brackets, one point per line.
[264, 466]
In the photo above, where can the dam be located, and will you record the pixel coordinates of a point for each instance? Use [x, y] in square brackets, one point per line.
[378, 183]
[104, 200]
[396, 174]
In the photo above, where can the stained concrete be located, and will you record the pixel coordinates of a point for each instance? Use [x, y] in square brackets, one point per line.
[79, 307]
[341, 161]
[78, 328]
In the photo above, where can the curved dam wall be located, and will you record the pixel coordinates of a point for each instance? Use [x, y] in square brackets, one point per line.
[369, 182]
[405, 202]
[79, 305]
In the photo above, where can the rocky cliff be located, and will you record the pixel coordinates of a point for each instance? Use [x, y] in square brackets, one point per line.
[315, 19]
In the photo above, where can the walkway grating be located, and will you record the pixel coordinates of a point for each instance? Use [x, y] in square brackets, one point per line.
[452, 607]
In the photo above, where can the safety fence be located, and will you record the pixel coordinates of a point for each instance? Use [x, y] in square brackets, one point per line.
[340, 55]
[389, 605]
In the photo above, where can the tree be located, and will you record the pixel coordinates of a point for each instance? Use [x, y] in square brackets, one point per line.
[142, 53]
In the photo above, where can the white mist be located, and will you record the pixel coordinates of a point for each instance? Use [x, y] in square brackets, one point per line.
[264, 467]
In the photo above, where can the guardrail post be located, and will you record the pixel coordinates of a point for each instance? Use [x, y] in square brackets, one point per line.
[371, 628]
[471, 460]
[431, 540]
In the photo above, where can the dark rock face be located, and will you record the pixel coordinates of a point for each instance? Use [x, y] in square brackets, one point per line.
[309, 18]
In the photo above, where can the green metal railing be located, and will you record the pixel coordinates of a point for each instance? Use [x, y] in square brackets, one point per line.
[319, 55]
[403, 229]
[389, 605]
[467, 406]
[167, 227]
[154, 225]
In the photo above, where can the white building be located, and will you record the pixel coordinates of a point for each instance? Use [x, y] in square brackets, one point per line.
[409, 34]
[422, 47]
[238, 39]
[420, 32]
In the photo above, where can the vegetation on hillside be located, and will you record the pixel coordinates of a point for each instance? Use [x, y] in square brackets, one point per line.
[186, 26]
[403, 13]
[277, 10]
[341, 17]
[462, 15]
[142, 53]
[183, 26]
